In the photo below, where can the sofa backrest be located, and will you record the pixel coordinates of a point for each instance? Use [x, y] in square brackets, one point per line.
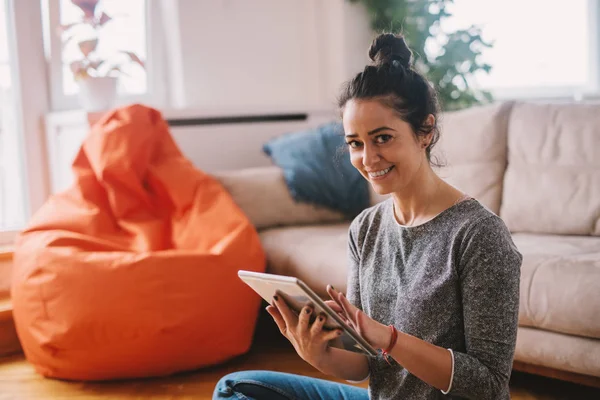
[261, 192]
[472, 147]
[552, 182]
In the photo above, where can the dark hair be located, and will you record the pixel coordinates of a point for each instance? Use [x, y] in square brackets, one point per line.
[392, 80]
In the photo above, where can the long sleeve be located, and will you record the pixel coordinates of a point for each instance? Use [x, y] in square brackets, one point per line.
[353, 278]
[489, 273]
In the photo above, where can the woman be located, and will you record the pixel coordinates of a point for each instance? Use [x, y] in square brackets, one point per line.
[433, 277]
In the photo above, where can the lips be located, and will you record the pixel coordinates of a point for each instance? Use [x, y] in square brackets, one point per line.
[380, 173]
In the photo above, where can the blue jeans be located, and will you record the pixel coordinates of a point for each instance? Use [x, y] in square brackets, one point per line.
[268, 385]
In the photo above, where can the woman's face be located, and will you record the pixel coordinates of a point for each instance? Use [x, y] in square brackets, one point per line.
[382, 146]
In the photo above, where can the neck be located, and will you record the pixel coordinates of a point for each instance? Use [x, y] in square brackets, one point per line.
[413, 204]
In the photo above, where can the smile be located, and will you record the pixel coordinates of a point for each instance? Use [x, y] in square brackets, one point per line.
[379, 174]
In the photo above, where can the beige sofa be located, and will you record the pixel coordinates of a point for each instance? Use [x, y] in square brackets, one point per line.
[538, 167]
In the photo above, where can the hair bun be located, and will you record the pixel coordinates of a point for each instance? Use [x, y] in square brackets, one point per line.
[388, 47]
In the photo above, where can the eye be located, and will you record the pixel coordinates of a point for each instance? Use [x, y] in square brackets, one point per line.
[382, 139]
[353, 144]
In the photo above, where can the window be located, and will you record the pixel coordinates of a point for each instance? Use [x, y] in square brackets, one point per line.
[540, 48]
[124, 32]
[12, 199]
[124, 37]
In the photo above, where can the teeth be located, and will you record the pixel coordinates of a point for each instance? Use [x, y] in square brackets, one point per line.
[380, 173]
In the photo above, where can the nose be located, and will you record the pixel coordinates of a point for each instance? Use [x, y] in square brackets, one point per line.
[370, 156]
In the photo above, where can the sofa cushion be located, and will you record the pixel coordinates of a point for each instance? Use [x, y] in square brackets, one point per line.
[552, 183]
[262, 194]
[317, 168]
[315, 254]
[473, 148]
[558, 351]
[560, 283]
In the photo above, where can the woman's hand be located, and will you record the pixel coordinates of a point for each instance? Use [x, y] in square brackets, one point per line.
[377, 334]
[309, 340]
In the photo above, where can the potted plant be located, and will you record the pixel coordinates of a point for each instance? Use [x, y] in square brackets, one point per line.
[96, 73]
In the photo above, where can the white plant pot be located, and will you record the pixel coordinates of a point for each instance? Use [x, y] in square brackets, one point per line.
[98, 94]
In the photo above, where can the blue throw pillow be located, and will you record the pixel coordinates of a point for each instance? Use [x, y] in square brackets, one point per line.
[317, 169]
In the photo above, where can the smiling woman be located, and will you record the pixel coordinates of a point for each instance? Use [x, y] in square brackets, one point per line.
[390, 122]
[433, 276]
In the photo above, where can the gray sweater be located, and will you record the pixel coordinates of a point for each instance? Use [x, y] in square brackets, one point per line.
[452, 281]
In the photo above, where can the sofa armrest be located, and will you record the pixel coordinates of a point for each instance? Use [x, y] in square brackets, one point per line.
[263, 195]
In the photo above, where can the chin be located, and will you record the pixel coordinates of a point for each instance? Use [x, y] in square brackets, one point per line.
[381, 189]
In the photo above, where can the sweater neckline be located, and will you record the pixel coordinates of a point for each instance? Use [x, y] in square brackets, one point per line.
[431, 221]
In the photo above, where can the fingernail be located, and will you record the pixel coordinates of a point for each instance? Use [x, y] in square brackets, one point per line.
[276, 298]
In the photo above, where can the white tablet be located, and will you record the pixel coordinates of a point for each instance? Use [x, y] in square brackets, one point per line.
[297, 295]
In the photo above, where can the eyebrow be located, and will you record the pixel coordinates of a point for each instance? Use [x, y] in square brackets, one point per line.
[374, 131]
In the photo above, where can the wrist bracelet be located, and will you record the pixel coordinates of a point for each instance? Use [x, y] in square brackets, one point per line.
[393, 341]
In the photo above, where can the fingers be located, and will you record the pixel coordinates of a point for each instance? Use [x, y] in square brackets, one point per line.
[344, 302]
[334, 294]
[274, 312]
[317, 326]
[288, 315]
[339, 299]
[304, 317]
[337, 305]
[361, 319]
[338, 309]
[348, 307]
[334, 306]
[330, 335]
[317, 331]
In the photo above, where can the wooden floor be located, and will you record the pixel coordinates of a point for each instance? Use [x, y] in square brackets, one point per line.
[19, 381]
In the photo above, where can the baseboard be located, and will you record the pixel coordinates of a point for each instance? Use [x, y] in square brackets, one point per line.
[579, 379]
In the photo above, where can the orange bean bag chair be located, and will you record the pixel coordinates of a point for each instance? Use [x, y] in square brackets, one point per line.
[132, 272]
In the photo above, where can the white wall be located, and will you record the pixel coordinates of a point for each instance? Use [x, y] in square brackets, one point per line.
[240, 57]
[262, 53]
[211, 148]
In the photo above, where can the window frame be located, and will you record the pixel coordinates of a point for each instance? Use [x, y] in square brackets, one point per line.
[28, 70]
[156, 95]
[35, 75]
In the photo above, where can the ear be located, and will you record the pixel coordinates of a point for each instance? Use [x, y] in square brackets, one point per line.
[429, 122]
